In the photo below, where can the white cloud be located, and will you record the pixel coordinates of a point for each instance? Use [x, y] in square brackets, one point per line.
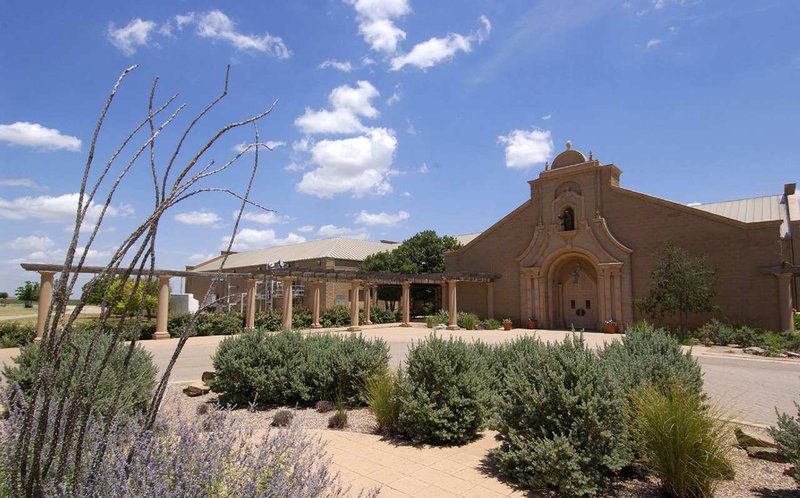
[30, 243]
[199, 256]
[527, 148]
[547, 116]
[54, 209]
[306, 228]
[35, 135]
[410, 128]
[396, 96]
[249, 239]
[272, 144]
[327, 231]
[58, 255]
[360, 165]
[17, 182]
[218, 26]
[423, 169]
[348, 103]
[652, 43]
[376, 22]
[365, 218]
[263, 217]
[134, 34]
[343, 66]
[201, 218]
[435, 50]
[407, 194]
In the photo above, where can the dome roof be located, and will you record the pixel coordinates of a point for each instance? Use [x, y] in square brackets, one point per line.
[569, 157]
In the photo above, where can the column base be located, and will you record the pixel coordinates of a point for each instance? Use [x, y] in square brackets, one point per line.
[453, 327]
[316, 326]
[405, 324]
[161, 335]
[353, 329]
[368, 322]
[37, 340]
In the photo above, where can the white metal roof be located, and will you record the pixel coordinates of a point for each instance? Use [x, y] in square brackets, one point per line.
[466, 238]
[753, 210]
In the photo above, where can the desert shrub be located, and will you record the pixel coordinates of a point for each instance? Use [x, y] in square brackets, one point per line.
[269, 320]
[787, 437]
[282, 418]
[443, 395]
[133, 387]
[339, 419]
[468, 321]
[219, 324]
[183, 458]
[679, 440]
[325, 406]
[288, 367]
[717, 332]
[16, 334]
[381, 394]
[652, 356]
[491, 324]
[382, 315]
[797, 322]
[301, 318]
[335, 316]
[177, 323]
[430, 322]
[793, 341]
[562, 421]
[141, 329]
[443, 317]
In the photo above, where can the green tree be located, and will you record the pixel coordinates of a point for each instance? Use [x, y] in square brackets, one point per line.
[682, 284]
[3, 297]
[149, 287]
[95, 295]
[28, 293]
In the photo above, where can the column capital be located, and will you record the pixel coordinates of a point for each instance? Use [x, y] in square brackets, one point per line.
[162, 277]
[47, 274]
[287, 279]
[786, 276]
[356, 281]
[406, 284]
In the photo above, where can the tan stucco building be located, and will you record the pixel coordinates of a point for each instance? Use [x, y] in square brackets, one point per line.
[581, 248]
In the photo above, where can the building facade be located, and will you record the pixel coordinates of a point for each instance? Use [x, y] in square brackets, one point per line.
[580, 250]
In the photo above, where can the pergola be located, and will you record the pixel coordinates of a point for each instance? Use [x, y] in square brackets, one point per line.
[288, 276]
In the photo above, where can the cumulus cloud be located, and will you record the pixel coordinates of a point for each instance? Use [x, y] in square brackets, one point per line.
[306, 228]
[343, 66]
[388, 219]
[327, 231]
[652, 43]
[263, 217]
[200, 218]
[360, 165]
[134, 34]
[54, 209]
[52, 255]
[35, 135]
[249, 239]
[435, 50]
[30, 243]
[376, 22]
[527, 148]
[200, 256]
[348, 104]
[271, 144]
[17, 182]
[218, 26]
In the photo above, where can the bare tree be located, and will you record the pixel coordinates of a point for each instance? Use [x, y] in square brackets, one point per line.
[53, 444]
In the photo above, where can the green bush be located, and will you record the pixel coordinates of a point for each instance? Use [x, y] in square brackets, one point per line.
[207, 323]
[287, 367]
[335, 316]
[269, 320]
[443, 394]
[381, 394]
[134, 386]
[491, 324]
[680, 440]
[430, 322]
[468, 321]
[144, 330]
[382, 315]
[652, 356]
[562, 421]
[16, 334]
[787, 436]
[797, 322]
[301, 318]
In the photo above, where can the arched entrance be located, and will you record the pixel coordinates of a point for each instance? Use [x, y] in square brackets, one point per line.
[574, 285]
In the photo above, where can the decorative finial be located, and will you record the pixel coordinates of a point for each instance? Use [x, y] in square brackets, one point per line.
[569, 144]
[590, 154]
[546, 165]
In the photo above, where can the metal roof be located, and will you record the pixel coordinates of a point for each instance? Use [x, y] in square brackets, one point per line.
[753, 210]
[466, 238]
[337, 248]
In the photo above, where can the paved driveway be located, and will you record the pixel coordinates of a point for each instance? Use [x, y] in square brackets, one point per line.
[749, 388]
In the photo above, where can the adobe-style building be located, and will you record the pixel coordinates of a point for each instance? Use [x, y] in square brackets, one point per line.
[580, 250]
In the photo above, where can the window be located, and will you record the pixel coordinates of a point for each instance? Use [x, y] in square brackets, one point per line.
[567, 219]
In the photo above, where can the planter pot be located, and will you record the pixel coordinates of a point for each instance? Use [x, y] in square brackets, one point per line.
[610, 328]
[507, 325]
[532, 324]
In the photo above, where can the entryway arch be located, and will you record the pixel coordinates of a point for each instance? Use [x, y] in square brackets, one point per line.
[573, 291]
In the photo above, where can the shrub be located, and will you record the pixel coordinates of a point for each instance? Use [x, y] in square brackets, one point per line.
[335, 316]
[431, 322]
[339, 419]
[468, 321]
[143, 330]
[787, 436]
[219, 324]
[282, 418]
[492, 324]
[134, 386]
[381, 394]
[288, 367]
[381, 315]
[562, 421]
[652, 356]
[443, 395]
[269, 320]
[301, 319]
[680, 440]
[325, 406]
[16, 334]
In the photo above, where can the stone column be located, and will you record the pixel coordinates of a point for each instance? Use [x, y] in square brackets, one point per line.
[452, 308]
[45, 299]
[287, 302]
[250, 319]
[785, 300]
[405, 302]
[315, 305]
[163, 308]
[489, 299]
[356, 285]
[367, 303]
[617, 276]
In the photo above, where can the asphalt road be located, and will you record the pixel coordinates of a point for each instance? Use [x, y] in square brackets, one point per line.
[748, 389]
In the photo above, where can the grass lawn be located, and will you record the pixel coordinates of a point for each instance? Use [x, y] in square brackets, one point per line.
[17, 308]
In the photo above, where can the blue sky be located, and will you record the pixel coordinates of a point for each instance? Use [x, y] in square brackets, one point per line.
[394, 116]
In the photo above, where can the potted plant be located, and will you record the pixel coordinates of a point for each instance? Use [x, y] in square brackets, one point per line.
[610, 326]
[532, 323]
[507, 324]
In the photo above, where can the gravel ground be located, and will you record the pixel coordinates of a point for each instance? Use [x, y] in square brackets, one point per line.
[754, 478]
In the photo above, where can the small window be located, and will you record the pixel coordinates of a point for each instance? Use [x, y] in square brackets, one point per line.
[567, 219]
[588, 304]
[572, 304]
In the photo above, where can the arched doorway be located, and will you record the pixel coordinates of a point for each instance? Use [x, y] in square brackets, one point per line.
[574, 282]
